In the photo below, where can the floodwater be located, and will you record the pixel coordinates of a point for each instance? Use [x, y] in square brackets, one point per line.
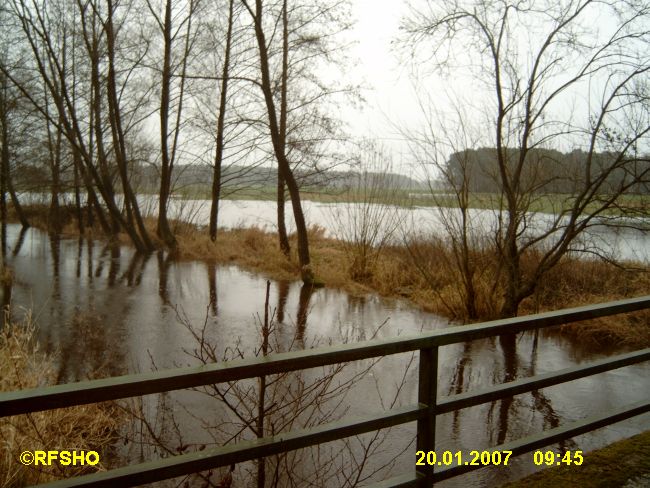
[108, 312]
[619, 239]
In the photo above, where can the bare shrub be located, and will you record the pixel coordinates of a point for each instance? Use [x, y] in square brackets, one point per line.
[366, 216]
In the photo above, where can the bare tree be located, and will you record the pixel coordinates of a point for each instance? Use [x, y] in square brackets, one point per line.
[221, 120]
[176, 25]
[530, 62]
[14, 120]
[279, 148]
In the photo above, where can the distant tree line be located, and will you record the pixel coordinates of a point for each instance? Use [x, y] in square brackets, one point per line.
[549, 170]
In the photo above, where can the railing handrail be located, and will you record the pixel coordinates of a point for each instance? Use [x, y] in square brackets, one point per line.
[425, 412]
[118, 387]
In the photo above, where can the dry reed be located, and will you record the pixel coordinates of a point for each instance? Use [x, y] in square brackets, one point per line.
[84, 428]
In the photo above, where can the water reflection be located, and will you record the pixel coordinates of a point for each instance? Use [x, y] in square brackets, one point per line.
[135, 270]
[508, 343]
[114, 267]
[283, 293]
[19, 241]
[163, 272]
[212, 285]
[306, 292]
[119, 316]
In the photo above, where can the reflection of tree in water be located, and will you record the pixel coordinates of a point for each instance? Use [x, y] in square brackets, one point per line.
[80, 252]
[100, 262]
[266, 406]
[306, 291]
[114, 267]
[135, 270]
[211, 268]
[511, 371]
[55, 310]
[90, 246]
[508, 343]
[283, 293]
[541, 402]
[19, 241]
[457, 384]
[55, 253]
[112, 248]
[164, 262]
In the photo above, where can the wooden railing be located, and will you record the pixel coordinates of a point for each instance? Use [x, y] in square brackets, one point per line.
[424, 413]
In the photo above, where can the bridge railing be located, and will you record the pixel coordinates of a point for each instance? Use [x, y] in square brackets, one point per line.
[429, 406]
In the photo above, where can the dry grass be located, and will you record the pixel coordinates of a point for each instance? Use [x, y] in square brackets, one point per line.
[92, 427]
[579, 282]
[434, 284]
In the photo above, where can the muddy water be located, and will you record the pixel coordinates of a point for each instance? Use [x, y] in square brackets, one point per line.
[112, 312]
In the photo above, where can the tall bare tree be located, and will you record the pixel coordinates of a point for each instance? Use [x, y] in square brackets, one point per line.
[279, 148]
[39, 23]
[176, 25]
[221, 121]
[10, 108]
[532, 63]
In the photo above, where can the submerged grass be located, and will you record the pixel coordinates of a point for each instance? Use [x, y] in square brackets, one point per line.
[83, 428]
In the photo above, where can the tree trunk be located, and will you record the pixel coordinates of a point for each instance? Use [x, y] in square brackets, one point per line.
[140, 237]
[285, 247]
[282, 228]
[261, 401]
[306, 272]
[77, 195]
[54, 223]
[218, 158]
[4, 161]
[163, 230]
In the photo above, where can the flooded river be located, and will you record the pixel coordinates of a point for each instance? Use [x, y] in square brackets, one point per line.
[111, 312]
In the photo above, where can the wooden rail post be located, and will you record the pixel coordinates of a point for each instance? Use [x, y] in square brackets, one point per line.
[427, 395]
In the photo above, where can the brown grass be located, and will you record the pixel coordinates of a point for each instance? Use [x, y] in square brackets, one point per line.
[91, 427]
[394, 274]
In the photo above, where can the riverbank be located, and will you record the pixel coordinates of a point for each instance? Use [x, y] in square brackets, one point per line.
[91, 427]
[393, 273]
[624, 463]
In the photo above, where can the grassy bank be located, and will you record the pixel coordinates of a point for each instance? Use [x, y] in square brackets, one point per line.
[610, 466]
[83, 428]
[395, 273]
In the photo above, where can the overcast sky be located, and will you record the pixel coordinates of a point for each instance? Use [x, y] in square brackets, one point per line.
[391, 102]
[388, 88]
[390, 95]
